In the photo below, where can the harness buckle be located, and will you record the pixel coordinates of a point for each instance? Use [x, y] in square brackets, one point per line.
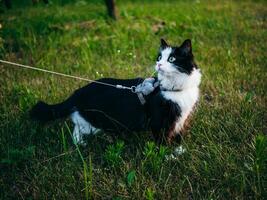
[133, 89]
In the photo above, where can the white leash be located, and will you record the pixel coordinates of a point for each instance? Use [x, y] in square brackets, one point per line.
[132, 88]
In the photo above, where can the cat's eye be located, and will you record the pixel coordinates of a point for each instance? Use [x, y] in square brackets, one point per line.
[159, 58]
[171, 59]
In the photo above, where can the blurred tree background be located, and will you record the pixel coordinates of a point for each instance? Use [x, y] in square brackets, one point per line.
[111, 6]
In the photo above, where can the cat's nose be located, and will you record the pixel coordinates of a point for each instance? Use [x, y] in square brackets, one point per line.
[159, 65]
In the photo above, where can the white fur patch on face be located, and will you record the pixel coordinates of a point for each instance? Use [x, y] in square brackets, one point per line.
[81, 128]
[163, 66]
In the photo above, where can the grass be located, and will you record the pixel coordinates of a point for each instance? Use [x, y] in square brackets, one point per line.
[226, 144]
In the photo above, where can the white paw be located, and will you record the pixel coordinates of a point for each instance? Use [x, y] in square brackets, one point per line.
[176, 153]
[79, 141]
[78, 137]
[179, 150]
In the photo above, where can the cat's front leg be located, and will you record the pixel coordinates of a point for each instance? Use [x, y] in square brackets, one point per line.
[163, 135]
[158, 136]
[168, 137]
[172, 135]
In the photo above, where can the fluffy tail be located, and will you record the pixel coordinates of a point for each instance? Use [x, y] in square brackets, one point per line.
[44, 112]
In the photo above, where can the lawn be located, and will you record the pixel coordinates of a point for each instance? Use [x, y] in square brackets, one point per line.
[226, 143]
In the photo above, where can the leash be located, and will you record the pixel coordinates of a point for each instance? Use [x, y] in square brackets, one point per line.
[132, 88]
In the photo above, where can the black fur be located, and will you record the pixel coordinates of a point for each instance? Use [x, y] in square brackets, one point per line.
[113, 109]
[44, 112]
[163, 114]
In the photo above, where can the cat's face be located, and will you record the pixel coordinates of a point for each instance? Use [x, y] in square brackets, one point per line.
[178, 60]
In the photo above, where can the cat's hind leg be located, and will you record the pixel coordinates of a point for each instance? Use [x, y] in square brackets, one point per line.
[81, 128]
[78, 136]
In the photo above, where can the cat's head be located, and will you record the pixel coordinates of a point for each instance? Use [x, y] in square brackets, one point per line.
[175, 65]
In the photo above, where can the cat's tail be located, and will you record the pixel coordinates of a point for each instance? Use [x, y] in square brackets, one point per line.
[44, 112]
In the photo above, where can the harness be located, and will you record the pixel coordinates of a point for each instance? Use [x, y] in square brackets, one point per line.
[147, 87]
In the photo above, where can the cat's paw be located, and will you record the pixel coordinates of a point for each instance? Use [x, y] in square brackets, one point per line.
[179, 150]
[176, 153]
[80, 142]
[78, 137]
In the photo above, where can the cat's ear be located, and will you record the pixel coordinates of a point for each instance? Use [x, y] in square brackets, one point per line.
[163, 43]
[186, 47]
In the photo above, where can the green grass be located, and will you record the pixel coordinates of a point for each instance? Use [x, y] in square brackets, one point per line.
[226, 144]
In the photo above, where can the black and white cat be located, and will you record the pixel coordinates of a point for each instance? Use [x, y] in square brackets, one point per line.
[97, 107]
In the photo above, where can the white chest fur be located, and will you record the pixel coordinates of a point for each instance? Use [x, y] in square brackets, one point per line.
[186, 99]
